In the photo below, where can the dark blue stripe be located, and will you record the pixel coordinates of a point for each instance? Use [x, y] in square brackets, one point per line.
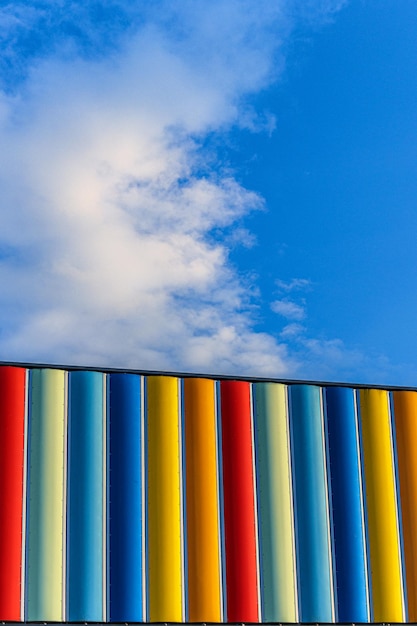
[125, 499]
[312, 527]
[348, 530]
[85, 498]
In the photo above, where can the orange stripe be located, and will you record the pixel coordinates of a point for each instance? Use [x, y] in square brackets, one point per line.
[202, 502]
[405, 410]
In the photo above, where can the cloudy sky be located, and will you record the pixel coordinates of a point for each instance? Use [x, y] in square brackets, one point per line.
[221, 187]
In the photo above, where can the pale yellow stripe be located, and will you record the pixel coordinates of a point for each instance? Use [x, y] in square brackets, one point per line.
[46, 496]
[381, 503]
[164, 500]
[281, 499]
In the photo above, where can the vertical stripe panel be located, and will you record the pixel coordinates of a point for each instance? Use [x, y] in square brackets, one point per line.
[85, 497]
[126, 558]
[12, 441]
[381, 506]
[44, 582]
[312, 522]
[405, 411]
[273, 460]
[346, 490]
[164, 500]
[239, 507]
[203, 535]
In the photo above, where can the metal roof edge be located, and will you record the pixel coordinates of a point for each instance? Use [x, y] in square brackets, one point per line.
[179, 374]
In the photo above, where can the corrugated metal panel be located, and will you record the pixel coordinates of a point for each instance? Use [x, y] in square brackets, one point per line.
[381, 502]
[405, 406]
[85, 498]
[347, 506]
[202, 501]
[165, 563]
[12, 437]
[46, 512]
[156, 498]
[125, 499]
[239, 503]
[276, 521]
[311, 505]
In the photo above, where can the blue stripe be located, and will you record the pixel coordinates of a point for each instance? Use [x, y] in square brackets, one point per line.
[348, 530]
[312, 529]
[85, 517]
[223, 599]
[125, 499]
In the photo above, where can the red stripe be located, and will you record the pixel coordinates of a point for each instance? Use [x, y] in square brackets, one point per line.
[239, 509]
[12, 417]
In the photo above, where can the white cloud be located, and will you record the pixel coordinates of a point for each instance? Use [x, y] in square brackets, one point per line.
[288, 309]
[292, 331]
[295, 284]
[330, 359]
[107, 203]
[318, 11]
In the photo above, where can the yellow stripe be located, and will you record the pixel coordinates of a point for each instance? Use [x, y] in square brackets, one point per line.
[164, 500]
[381, 506]
[202, 501]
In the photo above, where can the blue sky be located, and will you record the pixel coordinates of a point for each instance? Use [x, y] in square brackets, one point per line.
[224, 187]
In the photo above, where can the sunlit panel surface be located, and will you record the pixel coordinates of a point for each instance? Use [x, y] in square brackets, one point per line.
[132, 497]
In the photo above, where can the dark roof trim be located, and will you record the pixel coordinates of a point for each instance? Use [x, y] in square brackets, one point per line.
[254, 379]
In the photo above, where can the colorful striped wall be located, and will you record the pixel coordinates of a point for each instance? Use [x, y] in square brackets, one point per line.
[152, 498]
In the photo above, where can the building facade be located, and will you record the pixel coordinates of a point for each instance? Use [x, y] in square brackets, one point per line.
[145, 497]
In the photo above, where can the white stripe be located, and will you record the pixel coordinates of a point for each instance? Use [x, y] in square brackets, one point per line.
[219, 506]
[143, 486]
[255, 505]
[24, 501]
[362, 500]
[292, 512]
[104, 495]
[326, 491]
[64, 501]
[397, 524]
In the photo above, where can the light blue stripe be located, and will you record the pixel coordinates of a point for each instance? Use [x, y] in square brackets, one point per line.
[85, 497]
[312, 526]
